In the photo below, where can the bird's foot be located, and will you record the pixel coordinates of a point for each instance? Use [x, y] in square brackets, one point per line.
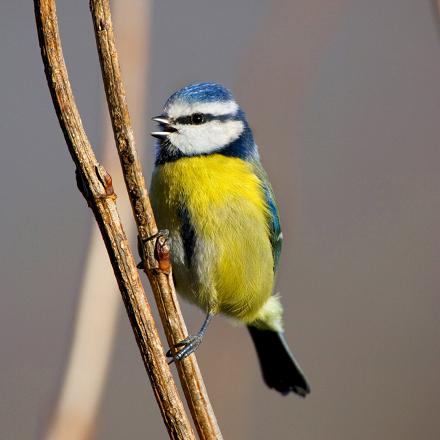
[187, 346]
[191, 343]
[142, 242]
[160, 233]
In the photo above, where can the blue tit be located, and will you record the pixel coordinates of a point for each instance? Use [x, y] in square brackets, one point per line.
[211, 192]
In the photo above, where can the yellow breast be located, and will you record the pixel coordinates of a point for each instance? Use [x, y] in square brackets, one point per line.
[233, 267]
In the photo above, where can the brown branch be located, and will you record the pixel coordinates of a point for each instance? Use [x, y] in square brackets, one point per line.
[75, 414]
[96, 186]
[161, 281]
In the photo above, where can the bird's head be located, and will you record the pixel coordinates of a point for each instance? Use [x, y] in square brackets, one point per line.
[202, 119]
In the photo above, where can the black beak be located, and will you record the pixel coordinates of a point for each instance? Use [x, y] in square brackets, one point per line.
[161, 119]
[160, 134]
[164, 123]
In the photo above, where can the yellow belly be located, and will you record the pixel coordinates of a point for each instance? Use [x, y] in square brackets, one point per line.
[232, 268]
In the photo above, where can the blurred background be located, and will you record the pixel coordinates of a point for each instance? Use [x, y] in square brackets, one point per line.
[344, 100]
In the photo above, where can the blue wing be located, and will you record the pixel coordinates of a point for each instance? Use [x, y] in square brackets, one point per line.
[274, 225]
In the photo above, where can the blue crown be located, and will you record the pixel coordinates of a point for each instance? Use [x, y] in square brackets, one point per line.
[202, 92]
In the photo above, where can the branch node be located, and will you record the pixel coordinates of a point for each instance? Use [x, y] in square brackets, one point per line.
[106, 181]
[157, 245]
[162, 253]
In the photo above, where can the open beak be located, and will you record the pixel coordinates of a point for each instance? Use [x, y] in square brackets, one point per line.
[161, 120]
[160, 134]
[165, 125]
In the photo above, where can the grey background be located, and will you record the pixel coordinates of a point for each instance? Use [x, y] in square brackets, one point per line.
[345, 103]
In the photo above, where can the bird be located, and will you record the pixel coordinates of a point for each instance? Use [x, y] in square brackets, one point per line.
[211, 194]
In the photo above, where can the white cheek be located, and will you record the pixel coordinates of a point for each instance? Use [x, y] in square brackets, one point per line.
[206, 138]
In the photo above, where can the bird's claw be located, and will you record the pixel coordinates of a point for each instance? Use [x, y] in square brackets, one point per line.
[161, 233]
[189, 344]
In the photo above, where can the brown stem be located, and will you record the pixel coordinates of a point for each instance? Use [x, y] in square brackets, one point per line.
[96, 186]
[161, 281]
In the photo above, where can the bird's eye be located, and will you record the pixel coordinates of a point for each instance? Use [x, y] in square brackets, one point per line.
[198, 118]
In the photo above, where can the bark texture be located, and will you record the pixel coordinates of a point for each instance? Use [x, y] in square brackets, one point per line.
[96, 186]
[156, 263]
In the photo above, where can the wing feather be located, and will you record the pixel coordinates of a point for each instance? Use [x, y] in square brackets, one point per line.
[273, 219]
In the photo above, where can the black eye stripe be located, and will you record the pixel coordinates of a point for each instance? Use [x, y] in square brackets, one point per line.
[188, 120]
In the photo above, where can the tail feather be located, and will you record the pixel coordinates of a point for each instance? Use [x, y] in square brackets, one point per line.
[279, 368]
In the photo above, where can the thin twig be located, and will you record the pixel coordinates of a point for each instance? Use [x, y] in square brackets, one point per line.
[96, 186]
[161, 282]
[93, 337]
